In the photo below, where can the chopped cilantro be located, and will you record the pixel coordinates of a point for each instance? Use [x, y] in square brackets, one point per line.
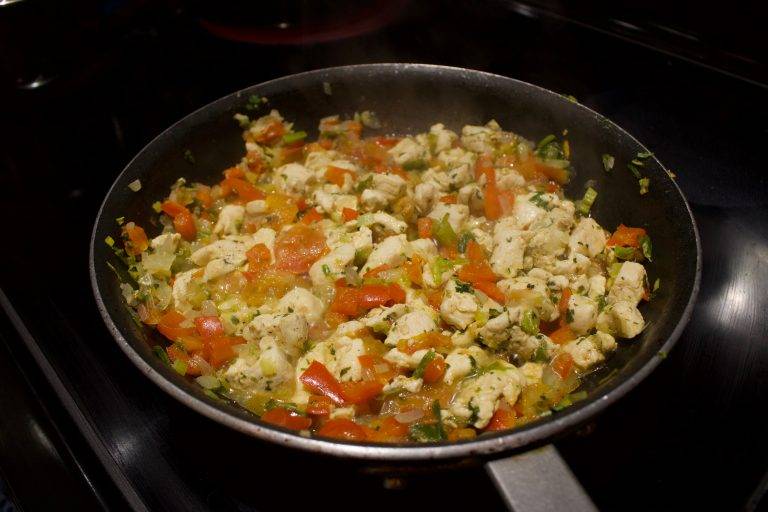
[539, 201]
[180, 367]
[569, 315]
[365, 184]
[419, 371]
[634, 170]
[647, 247]
[254, 102]
[462, 287]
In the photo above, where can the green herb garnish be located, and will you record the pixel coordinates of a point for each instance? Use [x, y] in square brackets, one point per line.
[587, 201]
[462, 287]
[539, 201]
[161, 354]
[294, 137]
[464, 239]
[326, 269]
[530, 323]
[634, 170]
[419, 371]
[254, 102]
[443, 232]
[647, 247]
[624, 253]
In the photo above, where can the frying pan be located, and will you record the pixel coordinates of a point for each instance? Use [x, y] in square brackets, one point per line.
[408, 98]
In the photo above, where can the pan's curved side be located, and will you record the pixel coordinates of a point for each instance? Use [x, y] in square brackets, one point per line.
[405, 95]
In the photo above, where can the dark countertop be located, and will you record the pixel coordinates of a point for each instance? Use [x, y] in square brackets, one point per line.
[690, 436]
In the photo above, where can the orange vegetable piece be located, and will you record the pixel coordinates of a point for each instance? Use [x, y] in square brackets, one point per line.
[319, 380]
[491, 290]
[137, 241]
[283, 210]
[492, 201]
[271, 133]
[259, 257]
[311, 217]
[244, 190]
[234, 172]
[424, 341]
[483, 165]
[448, 199]
[285, 418]
[208, 326]
[172, 208]
[626, 237]
[376, 368]
[462, 434]
[342, 428]
[562, 364]
[475, 272]
[435, 298]
[424, 226]
[169, 326]
[176, 354]
[562, 304]
[562, 335]
[218, 349]
[435, 370]
[413, 269]
[502, 419]
[298, 248]
[203, 196]
[377, 270]
[390, 431]
[319, 405]
[336, 175]
[361, 392]
[349, 214]
[184, 223]
[475, 252]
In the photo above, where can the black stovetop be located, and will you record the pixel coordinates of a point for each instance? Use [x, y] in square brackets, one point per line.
[80, 428]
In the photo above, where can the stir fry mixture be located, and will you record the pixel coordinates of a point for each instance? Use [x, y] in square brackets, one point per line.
[387, 289]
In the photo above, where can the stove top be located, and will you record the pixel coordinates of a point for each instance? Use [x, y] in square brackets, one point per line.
[78, 416]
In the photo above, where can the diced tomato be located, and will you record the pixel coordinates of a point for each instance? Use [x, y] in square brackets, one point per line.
[191, 343]
[234, 172]
[413, 269]
[449, 252]
[475, 252]
[562, 335]
[355, 301]
[361, 392]
[562, 364]
[172, 208]
[176, 354]
[354, 128]
[473, 272]
[259, 257]
[448, 199]
[203, 196]
[424, 341]
[435, 370]
[137, 241]
[298, 248]
[491, 290]
[208, 326]
[377, 270]
[349, 214]
[301, 204]
[282, 209]
[285, 418]
[345, 301]
[483, 165]
[342, 428]
[376, 368]
[169, 326]
[435, 298]
[562, 304]
[389, 431]
[254, 162]
[311, 216]
[336, 175]
[534, 169]
[462, 434]
[184, 223]
[424, 226]
[626, 237]
[244, 190]
[218, 349]
[387, 142]
[318, 379]
[271, 133]
[552, 187]
[319, 405]
[502, 419]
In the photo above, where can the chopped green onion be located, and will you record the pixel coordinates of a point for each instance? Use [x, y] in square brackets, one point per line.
[161, 354]
[242, 120]
[326, 269]
[614, 270]
[120, 221]
[109, 241]
[644, 184]
[655, 288]
[530, 323]
[157, 206]
[365, 184]
[439, 267]
[647, 247]
[419, 371]
[638, 163]
[540, 355]
[463, 287]
[543, 142]
[634, 170]
[443, 232]
[601, 303]
[539, 201]
[415, 165]
[644, 154]
[135, 185]
[624, 253]
[254, 102]
[587, 201]
[180, 367]
[608, 161]
[294, 137]
[662, 354]
[464, 240]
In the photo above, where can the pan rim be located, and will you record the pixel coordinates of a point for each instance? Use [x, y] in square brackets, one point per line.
[537, 432]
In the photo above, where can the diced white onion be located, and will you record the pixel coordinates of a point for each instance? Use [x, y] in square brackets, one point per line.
[135, 185]
[201, 363]
[208, 381]
[208, 308]
[409, 416]
[550, 378]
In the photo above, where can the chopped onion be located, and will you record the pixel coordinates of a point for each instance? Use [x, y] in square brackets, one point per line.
[205, 368]
[208, 308]
[208, 381]
[351, 276]
[409, 416]
[550, 378]
[381, 368]
[135, 185]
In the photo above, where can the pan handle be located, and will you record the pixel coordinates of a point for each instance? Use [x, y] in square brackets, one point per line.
[539, 480]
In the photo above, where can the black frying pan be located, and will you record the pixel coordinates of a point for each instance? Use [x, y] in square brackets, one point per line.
[409, 98]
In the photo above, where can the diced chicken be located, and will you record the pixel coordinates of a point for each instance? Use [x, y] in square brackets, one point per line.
[508, 250]
[256, 207]
[528, 208]
[588, 238]
[293, 178]
[391, 185]
[477, 398]
[629, 284]
[440, 139]
[529, 293]
[462, 361]
[180, 292]
[458, 309]
[390, 251]
[478, 138]
[457, 214]
[583, 313]
[425, 195]
[259, 369]
[385, 220]
[381, 319]
[230, 219]
[294, 330]
[373, 200]
[331, 266]
[590, 350]
[533, 372]
[410, 325]
[401, 382]
[596, 287]
[472, 196]
[622, 319]
[408, 151]
[303, 302]
[424, 247]
[166, 243]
